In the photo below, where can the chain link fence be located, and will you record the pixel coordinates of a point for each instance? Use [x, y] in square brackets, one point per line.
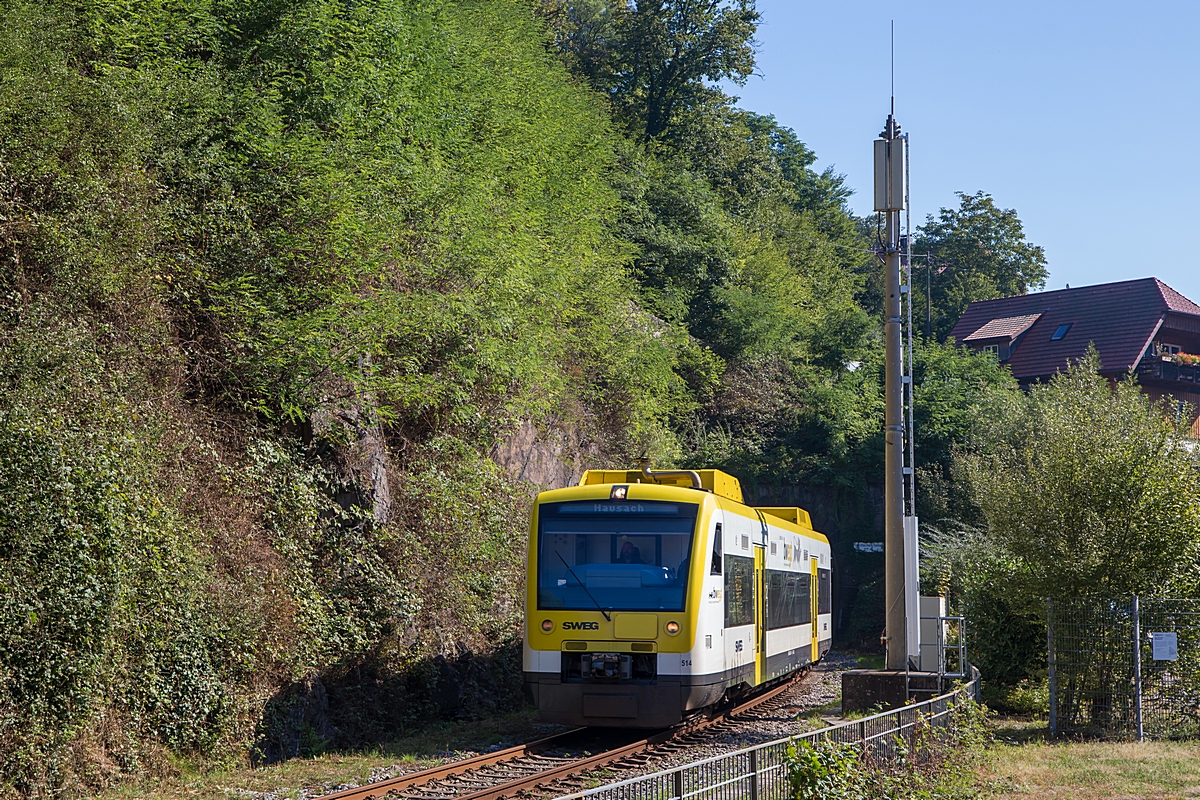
[1124, 668]
[760, 772]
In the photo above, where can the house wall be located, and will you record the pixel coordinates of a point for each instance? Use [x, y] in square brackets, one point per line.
[1176, 394]
[1188, 342]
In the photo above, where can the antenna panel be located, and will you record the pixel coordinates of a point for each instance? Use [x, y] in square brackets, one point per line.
[890, 175]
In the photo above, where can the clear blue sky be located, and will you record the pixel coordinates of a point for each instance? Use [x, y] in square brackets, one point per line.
[1084, 117]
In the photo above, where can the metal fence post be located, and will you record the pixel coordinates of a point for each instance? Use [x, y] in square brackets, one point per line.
[678, 776]
[754, 774]
[1050, 666]
[1137, 667]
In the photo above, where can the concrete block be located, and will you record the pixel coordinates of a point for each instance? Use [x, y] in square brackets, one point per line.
[863, 689]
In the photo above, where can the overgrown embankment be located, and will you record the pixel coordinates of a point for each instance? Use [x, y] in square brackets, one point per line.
[276, 276]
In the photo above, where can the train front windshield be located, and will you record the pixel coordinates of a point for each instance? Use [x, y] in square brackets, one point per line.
[614, 555]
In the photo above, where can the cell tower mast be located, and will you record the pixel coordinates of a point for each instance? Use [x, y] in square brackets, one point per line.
[900, 589]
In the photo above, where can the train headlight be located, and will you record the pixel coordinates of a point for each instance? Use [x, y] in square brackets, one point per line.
[547, 626]
[672, 628]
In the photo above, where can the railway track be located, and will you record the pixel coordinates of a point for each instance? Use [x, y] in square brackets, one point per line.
[555, 761]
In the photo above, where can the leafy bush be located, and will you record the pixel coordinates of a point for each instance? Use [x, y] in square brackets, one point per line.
[825, 770]
[1029, 696]
[104, 599]
[1081, 487]
[1087, 488]
[931, 763]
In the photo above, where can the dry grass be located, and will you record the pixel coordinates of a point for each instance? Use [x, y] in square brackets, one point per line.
[1025, 764]
[322, 773]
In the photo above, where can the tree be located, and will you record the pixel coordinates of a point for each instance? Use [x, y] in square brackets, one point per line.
[1081, 488]
[1087, 488]
[974, 252]
[672, 46]
[652, 57]
[952, 388]
[585, 32]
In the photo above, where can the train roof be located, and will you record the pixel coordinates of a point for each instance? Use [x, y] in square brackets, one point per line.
[721, 484]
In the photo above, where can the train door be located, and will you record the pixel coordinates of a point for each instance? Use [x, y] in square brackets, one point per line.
[712, 617]
[760, 615]
[813, 611]
[760, 605]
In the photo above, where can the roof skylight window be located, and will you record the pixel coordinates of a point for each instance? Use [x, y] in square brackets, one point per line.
[1061, 332]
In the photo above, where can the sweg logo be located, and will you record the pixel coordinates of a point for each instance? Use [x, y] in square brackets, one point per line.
[581, 626]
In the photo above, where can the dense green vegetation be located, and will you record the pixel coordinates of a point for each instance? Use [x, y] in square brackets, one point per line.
[246, 246]
[279, 276]
[1075, 488]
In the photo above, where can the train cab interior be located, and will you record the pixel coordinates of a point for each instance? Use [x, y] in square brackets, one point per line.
[614, 556]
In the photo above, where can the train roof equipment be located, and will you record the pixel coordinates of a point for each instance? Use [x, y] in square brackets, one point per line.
[792, 514]
[719, 483]
[722, 484]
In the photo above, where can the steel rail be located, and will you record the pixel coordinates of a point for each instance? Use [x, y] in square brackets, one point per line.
[611, 756]
[415, 779]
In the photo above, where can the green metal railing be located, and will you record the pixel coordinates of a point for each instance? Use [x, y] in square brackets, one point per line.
[760, 772]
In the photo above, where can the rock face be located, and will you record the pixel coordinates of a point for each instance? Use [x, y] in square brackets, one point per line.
[370, 458]
[546, 461]
[834, 512]
[296, 723]
[367, 456]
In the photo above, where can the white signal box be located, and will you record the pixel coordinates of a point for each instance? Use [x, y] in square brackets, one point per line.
[933, 641]
[912, 577]
[889, 174]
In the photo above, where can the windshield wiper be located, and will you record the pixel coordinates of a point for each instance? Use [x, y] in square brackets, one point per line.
[582, 586]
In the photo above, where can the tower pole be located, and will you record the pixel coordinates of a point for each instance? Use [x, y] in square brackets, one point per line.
[890, 184]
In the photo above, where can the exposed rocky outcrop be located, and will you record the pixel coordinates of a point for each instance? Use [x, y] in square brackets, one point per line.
[296, 723]
[547, 459]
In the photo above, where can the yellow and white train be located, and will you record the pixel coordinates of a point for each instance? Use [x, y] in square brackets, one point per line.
[654, 594]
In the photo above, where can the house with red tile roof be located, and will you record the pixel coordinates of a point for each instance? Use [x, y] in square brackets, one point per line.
[1141, 325]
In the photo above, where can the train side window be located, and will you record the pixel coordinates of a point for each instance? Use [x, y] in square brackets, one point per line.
[739, 591]
[788, 599]
[824, 591]
[717, 560]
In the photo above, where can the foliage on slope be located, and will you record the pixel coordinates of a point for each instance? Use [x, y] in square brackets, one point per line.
[740, 242]
[239, 240]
